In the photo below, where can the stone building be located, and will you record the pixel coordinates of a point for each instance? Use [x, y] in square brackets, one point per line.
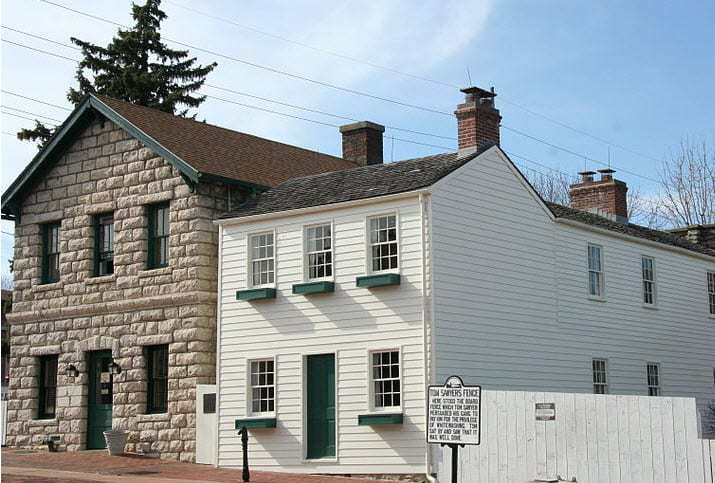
[114, 317]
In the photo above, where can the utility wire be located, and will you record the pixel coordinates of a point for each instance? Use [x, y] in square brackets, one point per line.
[40, 50]
[268, 68]
[23, 117]
[313, 47]
[22, 32]
[406, 74]
[31, 113]
[516, 131]
[35, 100]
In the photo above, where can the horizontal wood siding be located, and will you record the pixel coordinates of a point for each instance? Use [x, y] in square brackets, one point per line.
[349, 322]
[511, 305]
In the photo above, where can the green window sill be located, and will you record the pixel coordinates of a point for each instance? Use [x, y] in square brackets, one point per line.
[313, 287]
[256, 294]
[256, 423]
[379, 280]
[377, 419]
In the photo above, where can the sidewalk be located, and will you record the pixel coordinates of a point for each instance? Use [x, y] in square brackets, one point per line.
[21, 466]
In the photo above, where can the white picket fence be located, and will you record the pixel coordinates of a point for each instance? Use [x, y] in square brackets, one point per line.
[595, 438]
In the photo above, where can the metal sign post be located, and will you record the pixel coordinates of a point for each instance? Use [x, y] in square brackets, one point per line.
[454, 413]
[244, 445]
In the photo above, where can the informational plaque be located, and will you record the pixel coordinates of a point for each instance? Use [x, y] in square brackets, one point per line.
[454, 413]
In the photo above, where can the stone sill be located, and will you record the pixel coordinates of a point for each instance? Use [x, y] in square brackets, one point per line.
[153, 417]
[102, 279]
[46, 287]
[155, 272]
[42, 422]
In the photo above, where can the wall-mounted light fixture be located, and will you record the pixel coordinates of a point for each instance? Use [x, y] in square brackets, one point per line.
[114, 368]
[72, 371]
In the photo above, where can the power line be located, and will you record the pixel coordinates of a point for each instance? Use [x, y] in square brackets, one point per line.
[270, 69]
[555, 146]
[316, 111]
[23, 117]
[35, 100]
[314, 48]
[31, 113]
[40, 50]
[574, 153]
[40, 38]
[407, 74]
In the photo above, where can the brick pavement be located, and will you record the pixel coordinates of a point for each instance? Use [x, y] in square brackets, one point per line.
[20, 466]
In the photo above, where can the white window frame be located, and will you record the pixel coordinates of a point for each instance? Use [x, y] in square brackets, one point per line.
[250, 386]
[368, 243]
[658, 386]
[710, 281]
[601, 273]
[652, 281]
[307, 252]
[250, 259]
[603, 384]
[371, 382]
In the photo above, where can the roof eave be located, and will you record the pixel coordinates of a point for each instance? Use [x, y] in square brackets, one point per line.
[633, 238]
[239, 220]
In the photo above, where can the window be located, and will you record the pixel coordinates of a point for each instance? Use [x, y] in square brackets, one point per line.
[386, 379]
[158, 236]
[653, 372]
[600, 376]
[48, 387]
[595, 271]
[383, 243]
[157, 382]
[648, 269]
[319, 251]
[711, 292]
[262, 259]
[104, 244]
[51, 253]
[263, 390]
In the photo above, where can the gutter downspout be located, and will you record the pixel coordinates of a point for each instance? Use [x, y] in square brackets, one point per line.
[426, 339]
[218, 348]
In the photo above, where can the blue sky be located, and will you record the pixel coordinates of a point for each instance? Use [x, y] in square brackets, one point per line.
[638, 74]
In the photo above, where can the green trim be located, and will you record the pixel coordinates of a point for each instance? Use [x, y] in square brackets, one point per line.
[379, 280]
[313, 287]
[256, 423]
[256, 294]
[375, 419]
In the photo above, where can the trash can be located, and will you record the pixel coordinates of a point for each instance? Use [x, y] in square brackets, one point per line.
[116, 440]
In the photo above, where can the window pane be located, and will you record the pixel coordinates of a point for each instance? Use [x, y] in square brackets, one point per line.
[386, 378]
[157, 378]
[262, 379]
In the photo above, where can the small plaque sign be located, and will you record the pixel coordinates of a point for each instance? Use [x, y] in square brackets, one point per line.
[545, 411]
[454, 413]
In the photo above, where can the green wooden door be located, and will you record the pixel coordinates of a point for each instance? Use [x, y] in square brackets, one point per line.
[320, 381]
[99, 399]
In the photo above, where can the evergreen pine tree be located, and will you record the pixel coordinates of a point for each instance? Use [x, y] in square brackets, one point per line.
[136, 67]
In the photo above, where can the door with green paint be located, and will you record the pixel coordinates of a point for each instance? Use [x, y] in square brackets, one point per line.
[320, 405]
[99, 399]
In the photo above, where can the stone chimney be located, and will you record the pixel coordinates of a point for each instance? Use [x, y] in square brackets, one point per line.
[477, 120]
[699, 234]
[362, 142]
[605, 197]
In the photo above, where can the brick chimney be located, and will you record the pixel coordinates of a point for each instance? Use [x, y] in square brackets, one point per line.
[605, 197]
[362, 142]
[477, 120]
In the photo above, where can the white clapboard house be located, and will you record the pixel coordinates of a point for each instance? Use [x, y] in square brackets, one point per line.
[343, 295]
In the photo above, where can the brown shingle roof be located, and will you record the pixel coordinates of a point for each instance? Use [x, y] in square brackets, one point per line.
[222, 152]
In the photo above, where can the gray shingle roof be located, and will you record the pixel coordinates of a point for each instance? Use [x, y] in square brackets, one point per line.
[631, 229]
[353, 184]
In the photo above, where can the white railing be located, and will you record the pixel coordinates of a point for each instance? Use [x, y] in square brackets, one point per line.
[595, 438]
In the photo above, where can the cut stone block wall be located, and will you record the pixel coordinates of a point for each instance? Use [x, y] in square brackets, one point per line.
[106, 170]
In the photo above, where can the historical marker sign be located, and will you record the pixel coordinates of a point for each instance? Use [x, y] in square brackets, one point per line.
[454, 413]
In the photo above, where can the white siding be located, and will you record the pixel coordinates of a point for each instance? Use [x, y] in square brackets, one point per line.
[511, 305]
[349, 322]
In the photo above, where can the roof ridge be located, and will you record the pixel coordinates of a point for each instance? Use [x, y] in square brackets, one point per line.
[102, 97]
